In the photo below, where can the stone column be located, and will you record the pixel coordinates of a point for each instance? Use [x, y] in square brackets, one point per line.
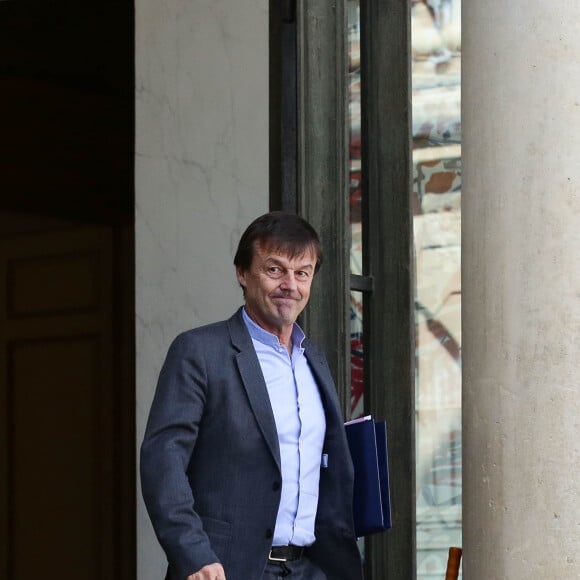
[201, 176]
[521, 289]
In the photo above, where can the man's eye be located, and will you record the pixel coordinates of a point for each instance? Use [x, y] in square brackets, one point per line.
[274, 270]
[302, 274]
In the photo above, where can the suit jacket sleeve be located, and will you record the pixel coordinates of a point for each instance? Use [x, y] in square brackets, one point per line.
[170, 437]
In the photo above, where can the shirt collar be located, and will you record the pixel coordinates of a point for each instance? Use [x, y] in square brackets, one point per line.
[269, 339]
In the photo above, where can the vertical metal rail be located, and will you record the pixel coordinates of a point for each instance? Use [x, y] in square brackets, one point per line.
[388, 259]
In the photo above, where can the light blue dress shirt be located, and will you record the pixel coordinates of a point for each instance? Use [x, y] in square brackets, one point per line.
[301, 426]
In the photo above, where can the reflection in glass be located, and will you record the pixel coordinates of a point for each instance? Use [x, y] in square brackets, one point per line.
[356, 355]
[354, 112]
[356, 366]
[355, 200]
[355, 215]
[436, 197]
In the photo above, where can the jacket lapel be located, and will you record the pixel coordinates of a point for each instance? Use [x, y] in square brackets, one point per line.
[253, 382]
[325, 382]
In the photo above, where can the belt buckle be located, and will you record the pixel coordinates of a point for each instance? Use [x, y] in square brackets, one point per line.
[273, 559]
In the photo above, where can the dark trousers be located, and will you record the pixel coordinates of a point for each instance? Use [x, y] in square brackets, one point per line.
[302, 569]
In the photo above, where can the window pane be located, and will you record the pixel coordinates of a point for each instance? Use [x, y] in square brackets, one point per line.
[355, 200]
[436, 44]
[354, 120]
[357, 379]
[356, 355]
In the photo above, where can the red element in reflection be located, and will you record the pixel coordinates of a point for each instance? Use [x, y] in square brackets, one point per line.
[356, 373]
[355, 197]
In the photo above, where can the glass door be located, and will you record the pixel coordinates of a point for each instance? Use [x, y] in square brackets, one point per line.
[436, 203]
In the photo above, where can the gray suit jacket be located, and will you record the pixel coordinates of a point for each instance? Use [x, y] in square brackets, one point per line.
[210, 460]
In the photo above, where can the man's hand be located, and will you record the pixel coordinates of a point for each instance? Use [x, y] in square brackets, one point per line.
[209, 572]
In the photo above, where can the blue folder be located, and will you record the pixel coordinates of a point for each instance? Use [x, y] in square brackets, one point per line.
[367, 440]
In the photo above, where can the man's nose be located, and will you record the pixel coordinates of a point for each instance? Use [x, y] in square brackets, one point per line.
[289, 281]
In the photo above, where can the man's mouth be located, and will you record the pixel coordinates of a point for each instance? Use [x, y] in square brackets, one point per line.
[284, 298]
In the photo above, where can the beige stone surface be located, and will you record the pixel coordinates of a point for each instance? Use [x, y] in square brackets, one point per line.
[521, 290]
[201, 176]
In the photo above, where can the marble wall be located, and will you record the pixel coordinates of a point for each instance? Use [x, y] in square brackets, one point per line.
[201, 176]
[521, 289]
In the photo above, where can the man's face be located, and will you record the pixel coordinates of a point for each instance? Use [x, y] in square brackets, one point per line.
[277, 287]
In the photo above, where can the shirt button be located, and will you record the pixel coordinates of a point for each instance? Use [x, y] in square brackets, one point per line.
[276, 486]
[269, 533]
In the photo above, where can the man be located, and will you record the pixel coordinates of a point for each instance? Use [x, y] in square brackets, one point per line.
[245, 467]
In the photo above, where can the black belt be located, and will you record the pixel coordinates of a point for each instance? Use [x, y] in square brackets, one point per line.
[285, 553]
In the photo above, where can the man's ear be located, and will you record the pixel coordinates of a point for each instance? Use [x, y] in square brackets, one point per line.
[241, 276]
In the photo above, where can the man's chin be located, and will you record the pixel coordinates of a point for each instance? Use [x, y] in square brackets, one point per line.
[286, 314]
